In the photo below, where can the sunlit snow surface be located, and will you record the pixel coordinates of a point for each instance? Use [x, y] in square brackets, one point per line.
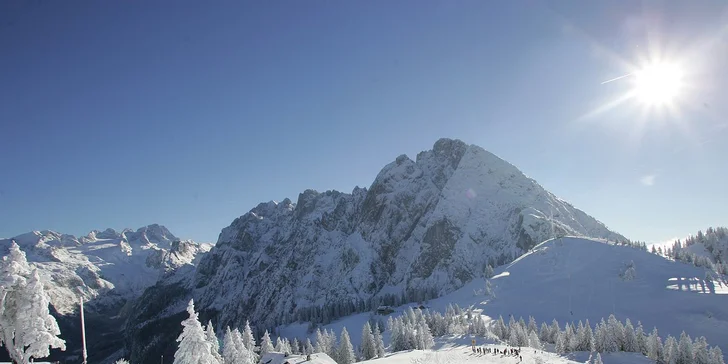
[572, 279]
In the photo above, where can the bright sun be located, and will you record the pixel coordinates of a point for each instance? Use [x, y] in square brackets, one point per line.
[658, 84]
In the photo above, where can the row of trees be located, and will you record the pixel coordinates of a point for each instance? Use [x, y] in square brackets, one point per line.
[715, 241]
[27, 329]
[608, 336]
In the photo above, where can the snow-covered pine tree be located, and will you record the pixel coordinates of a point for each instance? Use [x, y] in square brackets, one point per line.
[14, 272]
[570, 337]
[600, 337]
[544, 334]
[588, 337]
[561, 343]
[368, 351]
[331, 343]
[533, 341]
[489, 272]
[193, 346]
[555, 330]
[345, 350]
[700, 351]
[716, 356]
[670, 351]
[212, 339]
[121, 361]
[378, 342]
[685, 349]
[36, 331]
[511, 326]
[247, 336]
[308, 347]
[488, 288]
[598, 359]
[641, 338]
[424, 336]
[532, 327]
[279, 347]
[615, 333]
[296, 346]
[630, 339]
[229, 349]
[321, 341]
[266, 346]
[654, 345]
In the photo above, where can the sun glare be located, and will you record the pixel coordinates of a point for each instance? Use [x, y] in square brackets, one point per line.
[658, 84]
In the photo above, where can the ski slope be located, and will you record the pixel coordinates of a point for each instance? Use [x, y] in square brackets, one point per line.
[462, 354]
[572, 279]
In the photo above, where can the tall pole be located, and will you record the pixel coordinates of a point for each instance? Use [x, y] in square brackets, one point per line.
[83, 333]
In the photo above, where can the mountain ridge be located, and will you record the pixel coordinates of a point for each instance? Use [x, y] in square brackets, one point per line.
[423, 228]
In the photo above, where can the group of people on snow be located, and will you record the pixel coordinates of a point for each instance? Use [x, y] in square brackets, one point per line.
[495, 351]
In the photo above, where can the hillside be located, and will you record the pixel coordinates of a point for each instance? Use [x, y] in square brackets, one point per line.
[423, 228]
[572, 279]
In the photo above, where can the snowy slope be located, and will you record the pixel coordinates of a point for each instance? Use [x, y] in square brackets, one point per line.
[430, 224]
[577, 279]
[280, 358]
[461, 354]
[108, 266]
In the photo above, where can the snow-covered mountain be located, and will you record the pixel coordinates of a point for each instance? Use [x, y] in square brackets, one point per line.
[108, 267]
[426, 225]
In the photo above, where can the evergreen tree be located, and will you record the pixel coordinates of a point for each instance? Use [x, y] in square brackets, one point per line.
[716, 356]
[598, 359]
[368, 349]
[654, 346]
[424, 336]
[588, 337]
[685, 349]
[26, 327]
[532, 327]
[700, 351]
[631, 344]
[378, 342]
[36, 329]
[229, 349]
[555, 330]
[346, 350]
[670, 351]
[489, 272]
[193, 346]
[212, 339]
[296, 347]
[279, 346]
[266, 346]
[248, 338]
[544, 334]
[308, 348]
[615, 335]
[533, 341]
[641, 338]
[561, 343]
[321, 341]
[600, 337]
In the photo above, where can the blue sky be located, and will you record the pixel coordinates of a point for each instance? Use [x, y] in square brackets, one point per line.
[120, 114]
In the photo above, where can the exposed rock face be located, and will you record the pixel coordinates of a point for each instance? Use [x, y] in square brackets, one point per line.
[433, 223]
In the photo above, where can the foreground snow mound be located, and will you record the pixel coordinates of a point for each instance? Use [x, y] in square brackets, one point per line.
[108, 266]
[280, 358]
[573, 279]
